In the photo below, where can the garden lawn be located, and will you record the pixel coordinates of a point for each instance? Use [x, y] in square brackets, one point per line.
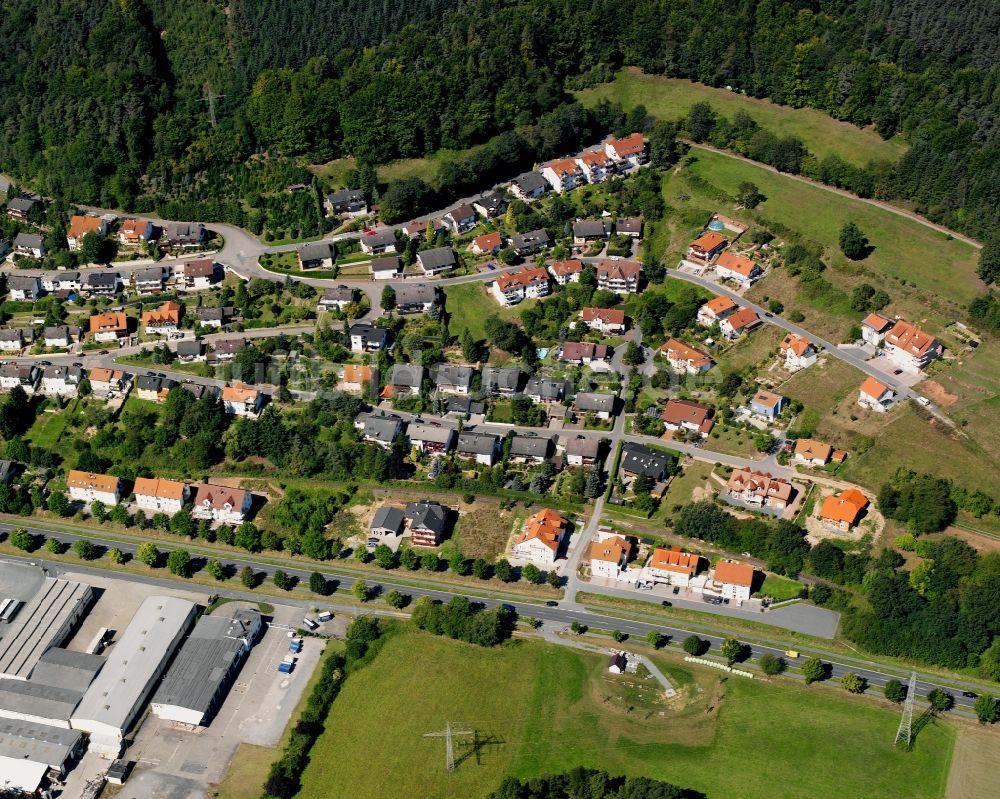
[780, 587]
[538, 708]
[671, 98]
[469, 305]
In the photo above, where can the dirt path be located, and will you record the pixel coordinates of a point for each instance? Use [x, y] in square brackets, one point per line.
[975, 764]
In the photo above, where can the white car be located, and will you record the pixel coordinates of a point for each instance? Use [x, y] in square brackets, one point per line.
[923, 401]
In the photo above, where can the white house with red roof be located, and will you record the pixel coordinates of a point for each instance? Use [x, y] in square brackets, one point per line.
[512, 287]
[798, 351]
[684, 359]
[690, 416]
[910, 347]
[487, 244]
[715, 310]
[738, 268]
[630, 150]
[619, 276]
[875, 396]
[707, 246]
[609, 557]
[736, 324]
[541, 537]
[563, 174]
[874, 327]
[568, 271]
[672, 566]
[733, 580]
[610, 321]
[597, 165]
[221, 503]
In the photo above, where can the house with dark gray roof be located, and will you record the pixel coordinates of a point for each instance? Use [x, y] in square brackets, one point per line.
[452, 379]
[461, 219]
[530, 448]
[501, 381]
[405, 379]
[102, 284]
[586, 230]
[437, 260]
[346, 202]
[379, 241]
[30, 244]
[317, 255]
[190, 349]
[463, 407]
[491, 205]
[430, 437]
[182, 235]
[24, 287]
[387, 522]
[11, 339]
[367, 338]
[387, 268]
[337, 297]
[215, 316]
[545, 389]
[639, 460]
[481, 447]
[530, 242]
[19, 207]
[418, 298]
[601, 405]
[630, 226]
[582, 450]
[426, 522]
[382, 429]
[148, 280]
[529, 186]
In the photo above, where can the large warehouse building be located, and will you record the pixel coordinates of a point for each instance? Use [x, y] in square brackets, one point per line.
[117, 696]
[204, 667]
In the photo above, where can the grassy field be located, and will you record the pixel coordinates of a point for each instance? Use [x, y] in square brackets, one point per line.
[822, 386]
[753, 350]
[670, 98]
[335, 172]
[484, 532]
[536, 708]
[780, 587]
[469, 305]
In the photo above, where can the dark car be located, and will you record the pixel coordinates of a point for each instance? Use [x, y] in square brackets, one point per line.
[551, 604]
[677, 590]
[970, 694]
[102, 352]
[665, 603]
[509, 608]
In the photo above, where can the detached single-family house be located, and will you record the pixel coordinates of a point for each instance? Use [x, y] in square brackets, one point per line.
[688, 416]
[317, 255]
[354, 378]
[451, 379]
[426, 522]
[910, 347]
[582, 450]
[31, 245]
[609, 557]
[18, 208]
[501, 381]
[225, 349]
[11, 339]
[531, 242]
[630, 150]
[482, 448]
[541, 537]
[733, 580]
[221, 503]
[367, 338]
[738, 268]
[582, 352]
[601, 405]
[80, 226]
[563, 174]
[588, 230]
[672, 566]
[24, 287]
[240, 399]
[27, 376]
[153, 388]
[164, 320]
[182, 235]
[67, 282]
[405, 380]
[736, 324]
[875, 396]
[419, 298]
[630, 226]
[387, 523]
[609, 321]
[104, 381]
[381, 429]
[61, 381]
[388, 268]
[102, 284]
[799, 352]
[844, 510]
[545, 389]
[529, 448]
[874, 327]
[89, 487]
[490, 205]
[195, 275]
[109, 326]
[813, 453]
[431, 438]
[461, 219]
[487, 244]
[379, 241]
[619, 276]
[639, 460]
[57, 336]
[767, 404]
[684, 359]
[190, 350]
[338, 297]
[159, 495]
[596, 164]
[134, 232]
[437, 260]
[211, 316]
[149, 280]
[346, 202]
[564, 272]
[529, 186]
[707, 246]
[759, 489]
[510, 288]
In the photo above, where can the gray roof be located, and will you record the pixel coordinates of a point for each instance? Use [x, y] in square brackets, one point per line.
[154, 383]
[380, 238]
[531, 446]
[190, 347]
[494, 202]
[501, 378]
[387, 518]
[427, 515]
[382, 428]
[545, 387]
[57, 331]
[584, 446]
[406, 374]
[437, 258]
[434, 433]
[591, 228]
[477, 443]
[7, 470]
[149, 275]
[22, 282]
[38, 743]
[229, 346]
[530, 240]
[317, 251]
[370, 333]
[20, 204]
[65, 668]
[102, 279]
[419, 294]
[183, 230]
[11, 334]
[639, 459]
[464, 405]
[200, 389]
[530, 182]
[588, 401]
[629, 224]
[446, 374]
[28, 698]
[203, 662]
[391, 263]
[338, 294]
[71, 374]
[345, 197]
[31, 241]
[206, 314]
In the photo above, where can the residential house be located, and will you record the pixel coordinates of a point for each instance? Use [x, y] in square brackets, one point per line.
[354, 378]
[563, 174]
[463, 407]
[767, 404]
[134, 232]
[630, 226]
[529, 448]
[426, 522]
[431, 438]
[529, 186]
[221, 503]
[688, 416]
[874, 327]
[61, 381]
[153, 388]
[452, 379]
[707, 246]
[799, 352]
[104, 382]
[368, 338]
[487, 244]
[582, 451]
[164, 320]
[609, 321]
[813, 453]
[61, 282]
[18, 208]
[738, 268]
[844, 510]
[684, 359]
[405, 380]
[910, 347]
[338, 297]
[501, 381]
[631, 149]
[158, 495]
[102, 284]
[609, 557]
[639, 460]
[190, 350]
[109, 326]
[733, 580]
[25, 375]
[387, 523]
[672, 566]
[437, 260]
[24, 287]
[510, 288]
[379, 241]
[588, 230]
[531, 242]
[461, 219]
[89, 487]
[11, 340]
[736, 324]
[182, 236]
[58, 336]
[482, 448]
[346, 202]
[596, 164]
[195, 275]
[875, 396]
[199, 390]
[148, 281]
[416, 230]
[31, 245]
[545, 389]
[212, 316]
[759, 489]
[566, 271]
[317, 255]
[490, 205]
[80, 226]
[388, 268]
[225, 349]
[381, 429]
[600, 405]
[419, 298]
[619, 276]
[541, 537]
[240, 399]
[582, 352]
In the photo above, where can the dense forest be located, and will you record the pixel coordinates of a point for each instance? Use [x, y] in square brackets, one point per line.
[106, 100]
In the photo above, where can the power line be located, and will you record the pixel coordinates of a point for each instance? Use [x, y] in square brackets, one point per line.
[448, 733]
[905, 731]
